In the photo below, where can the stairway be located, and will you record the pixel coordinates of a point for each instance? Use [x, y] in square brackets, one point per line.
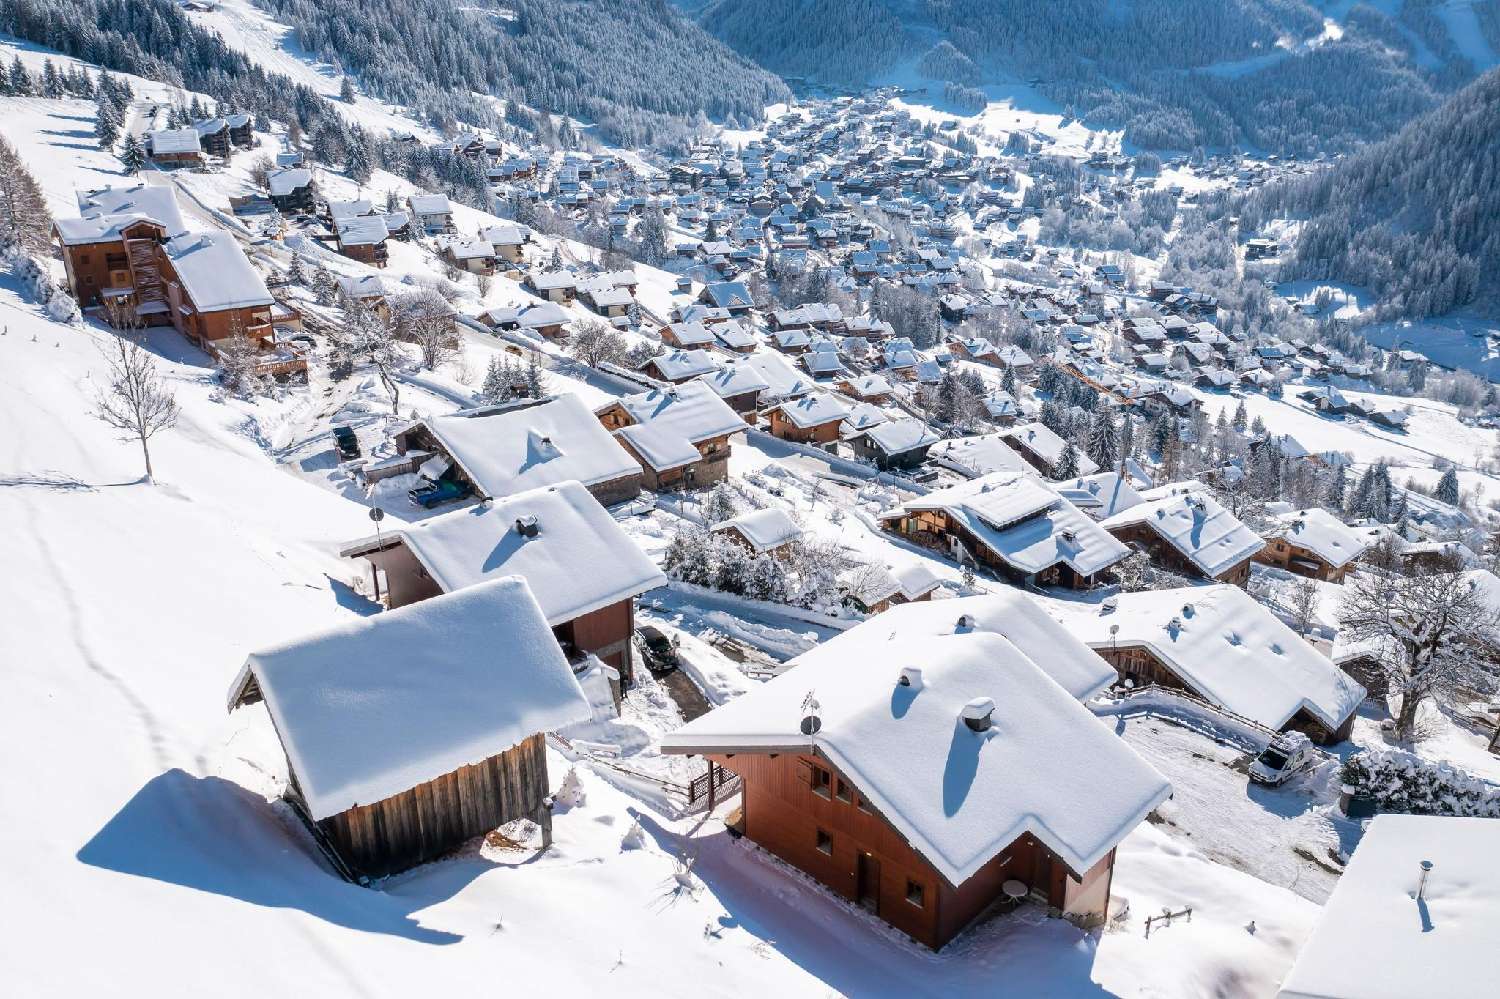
[145, 271]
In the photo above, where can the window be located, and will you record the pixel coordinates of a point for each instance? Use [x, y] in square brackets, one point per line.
[864, 806]
[820, 781]
[841, 792]
[825, 843]
[914, 893]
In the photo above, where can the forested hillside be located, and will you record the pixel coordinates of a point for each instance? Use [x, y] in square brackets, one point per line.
[628, 65]
[1416, 218]
[842, 41]
[637, 68]
[1280, 75]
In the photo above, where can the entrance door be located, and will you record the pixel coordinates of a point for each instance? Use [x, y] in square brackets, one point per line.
[867, 883]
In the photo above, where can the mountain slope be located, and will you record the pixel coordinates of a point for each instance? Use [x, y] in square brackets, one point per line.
[1416, 218]
[1277, 74]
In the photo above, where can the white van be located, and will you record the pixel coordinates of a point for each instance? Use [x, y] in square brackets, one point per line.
[1287, 754]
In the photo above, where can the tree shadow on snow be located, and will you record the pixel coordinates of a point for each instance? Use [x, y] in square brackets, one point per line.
[214, 836]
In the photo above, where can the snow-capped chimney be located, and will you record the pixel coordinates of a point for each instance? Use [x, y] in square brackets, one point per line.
[911, 676]
[965, 621]
[978, 714]
[1426, 866]
[527, 526]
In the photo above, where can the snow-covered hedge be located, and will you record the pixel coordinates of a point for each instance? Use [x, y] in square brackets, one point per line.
[38, 283]
[1400, 782]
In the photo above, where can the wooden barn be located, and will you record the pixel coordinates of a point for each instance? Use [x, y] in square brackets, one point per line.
[400, 748]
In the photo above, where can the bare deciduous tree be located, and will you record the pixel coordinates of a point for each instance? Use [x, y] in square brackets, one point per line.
[1433, 635]
[424, 318]
[595, 343]
[1302, 604]
[136, 402]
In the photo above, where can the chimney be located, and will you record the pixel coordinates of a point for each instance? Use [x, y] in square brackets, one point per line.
[978, 714]
[911, 676]
[965, 621]
[527, 526]
[1426, 866]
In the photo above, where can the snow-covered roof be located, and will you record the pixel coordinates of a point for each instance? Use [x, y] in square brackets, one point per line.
[764, 529]
[465, 247]
[692, 412]
[813, 410]
[732, 335]
[872, 584]
[173, 140]
[430, 204]
[215, 273]
[692, 334]
[98, 228]
[362, 286]
[361, 230]
[783, 381]
[869, 386]
[1231, 650]
[533, 316]
[1046, 766]
[578, 561]
[1025, 523]
[1100, 495]
[1046, 445]
[1321, 533]
[1205, 533]
[284, 182]
[862, 416]
[157, 203]
[1375, 940]
[676, 365]
[976, 456]
[736, 377]
[542, 445]
[380, 705]
[505, 234]
[900, 436]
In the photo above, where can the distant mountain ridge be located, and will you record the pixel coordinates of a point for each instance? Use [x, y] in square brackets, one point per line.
[1279, 75]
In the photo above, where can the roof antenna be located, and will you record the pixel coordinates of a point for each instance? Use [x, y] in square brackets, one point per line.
[811, 723]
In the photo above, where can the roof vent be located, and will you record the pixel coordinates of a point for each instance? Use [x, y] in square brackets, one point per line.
[911, 676]
[978, 714]
[527, 526]
[1426, 868]
[1187, 610]
[965, 621]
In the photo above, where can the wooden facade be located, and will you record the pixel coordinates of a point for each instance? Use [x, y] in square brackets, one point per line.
[822, 433]
[1283, 554]
[605, 632]
[1140, 665]
[432, 819]
[804, 811]
[936, 530]
[1165, 554]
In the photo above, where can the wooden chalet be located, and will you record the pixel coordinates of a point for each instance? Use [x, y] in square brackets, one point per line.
[389, 774]
[951, 774]
[1191, 535]
[812, 419]
[679, 435]
[1313, 543]
[769, 531]
[583, 570]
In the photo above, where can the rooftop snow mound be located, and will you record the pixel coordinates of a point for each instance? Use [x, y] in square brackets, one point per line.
[1205, 533]
[377, 706]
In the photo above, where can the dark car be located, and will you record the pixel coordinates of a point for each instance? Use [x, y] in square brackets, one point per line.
[346, 443]
[437, 493]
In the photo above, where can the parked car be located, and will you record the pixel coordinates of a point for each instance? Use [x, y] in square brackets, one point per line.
[1288, 754]
[346, 443]
[437, 493]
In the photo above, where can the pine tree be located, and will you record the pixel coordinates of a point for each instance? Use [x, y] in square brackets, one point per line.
[1338, 486]
[1067, 465]
[324, 286]
[1257, 428]
[132, 156]
[25, 221]
[106, 125]
[51, 82]
[357, 162]
[20, 80]
[1127, 436]
[1103, 445]
[346, 91]
[1447, 487]
[536, 379]
[297, 273]
[1008, 381]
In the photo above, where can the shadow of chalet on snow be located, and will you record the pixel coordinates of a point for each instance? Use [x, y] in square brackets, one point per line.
[853, 952]
[214, 836]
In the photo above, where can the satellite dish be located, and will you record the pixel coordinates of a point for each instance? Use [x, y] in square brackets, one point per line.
[811, 724]
[377, 514]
